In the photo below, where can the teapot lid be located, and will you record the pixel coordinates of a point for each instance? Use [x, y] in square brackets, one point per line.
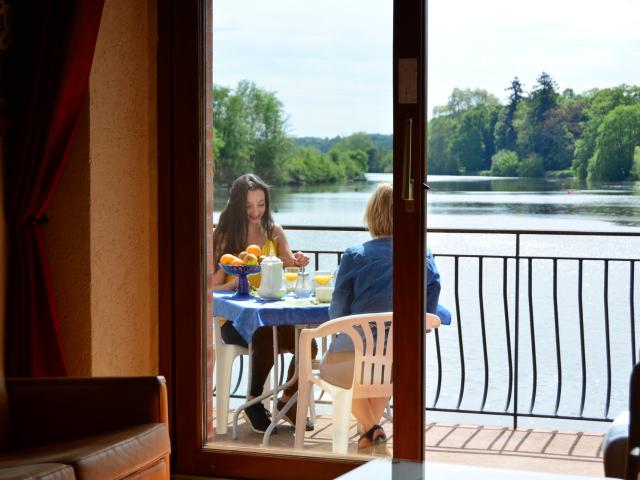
[270, 260]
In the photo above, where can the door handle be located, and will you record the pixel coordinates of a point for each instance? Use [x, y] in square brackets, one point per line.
[407, 181]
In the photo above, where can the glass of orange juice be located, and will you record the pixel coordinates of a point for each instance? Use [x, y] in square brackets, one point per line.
[290, 278]
[322, 279]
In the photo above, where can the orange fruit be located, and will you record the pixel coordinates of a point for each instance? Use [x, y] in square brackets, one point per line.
[227, 258]
[250, 259]
[237, 262]
[254, 250]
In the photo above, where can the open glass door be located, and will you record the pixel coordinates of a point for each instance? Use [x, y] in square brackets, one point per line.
[186, 204]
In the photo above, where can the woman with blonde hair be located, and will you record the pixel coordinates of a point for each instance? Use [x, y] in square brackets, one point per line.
[364, 284]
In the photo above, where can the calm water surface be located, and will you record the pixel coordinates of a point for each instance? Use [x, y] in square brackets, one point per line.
[470, 202]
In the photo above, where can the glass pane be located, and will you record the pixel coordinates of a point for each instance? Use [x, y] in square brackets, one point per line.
[521, 106]
[302, 95]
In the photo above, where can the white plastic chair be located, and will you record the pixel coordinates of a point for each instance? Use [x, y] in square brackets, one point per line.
[372, 375]
[225, 355]
[224, 358]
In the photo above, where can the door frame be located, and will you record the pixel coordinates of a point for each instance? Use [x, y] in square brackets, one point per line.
[409, 226]
[182, 173]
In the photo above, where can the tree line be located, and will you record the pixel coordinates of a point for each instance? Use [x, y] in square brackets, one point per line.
[594, 135]
[250, 135]
[543, 132]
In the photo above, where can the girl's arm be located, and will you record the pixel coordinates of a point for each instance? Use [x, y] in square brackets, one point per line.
[220, 283]
[289, 259]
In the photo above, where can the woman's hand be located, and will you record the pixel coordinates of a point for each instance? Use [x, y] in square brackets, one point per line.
[300, 259]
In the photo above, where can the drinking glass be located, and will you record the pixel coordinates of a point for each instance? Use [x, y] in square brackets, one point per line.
[322, 279]
[290, 279]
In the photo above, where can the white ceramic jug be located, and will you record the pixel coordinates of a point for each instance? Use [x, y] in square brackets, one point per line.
[271, 282]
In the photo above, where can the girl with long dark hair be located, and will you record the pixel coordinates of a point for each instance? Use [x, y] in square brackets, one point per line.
[246, 220]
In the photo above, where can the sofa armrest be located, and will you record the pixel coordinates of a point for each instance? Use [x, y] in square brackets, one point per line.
[47, 410]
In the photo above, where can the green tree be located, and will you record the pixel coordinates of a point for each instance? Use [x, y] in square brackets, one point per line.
[618, 135]
[505, 132]
[599, 102]
[440, 132]
[635, 170]
[531, 166]
[268, 125]
[505, 164]
[543, 98]
[233, 134]
[462, 100]
[250, 127]
[307, 165]
[467, 144]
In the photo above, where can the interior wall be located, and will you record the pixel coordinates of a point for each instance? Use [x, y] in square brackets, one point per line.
[123, 185]
[67, 239]
[102, 234]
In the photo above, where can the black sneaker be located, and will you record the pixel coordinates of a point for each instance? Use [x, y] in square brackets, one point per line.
[290, 416]
[257, 418]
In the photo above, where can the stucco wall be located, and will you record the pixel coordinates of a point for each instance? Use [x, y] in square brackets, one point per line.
[67, 241]
[123, 181]
[104, 252]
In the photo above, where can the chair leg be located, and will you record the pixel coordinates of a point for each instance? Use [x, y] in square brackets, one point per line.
[304, 391]
[312, 406]
[387, 412]
[223, 388]
[341, 420]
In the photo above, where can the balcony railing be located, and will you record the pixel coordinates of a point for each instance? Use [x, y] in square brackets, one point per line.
[544, 321]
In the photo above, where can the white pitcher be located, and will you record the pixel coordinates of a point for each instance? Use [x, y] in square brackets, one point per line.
[271, 286]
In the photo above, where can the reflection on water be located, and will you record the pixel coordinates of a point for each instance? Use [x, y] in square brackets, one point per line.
[471, 202]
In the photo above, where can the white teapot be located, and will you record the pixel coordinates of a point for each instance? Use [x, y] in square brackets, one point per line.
[271, 281]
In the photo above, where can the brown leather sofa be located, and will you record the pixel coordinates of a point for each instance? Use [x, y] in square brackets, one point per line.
[84, 428]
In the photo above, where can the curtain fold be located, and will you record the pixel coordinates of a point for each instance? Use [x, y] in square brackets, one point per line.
[49, 66]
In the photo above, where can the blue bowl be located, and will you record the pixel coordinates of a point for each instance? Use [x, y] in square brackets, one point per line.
[240, 269]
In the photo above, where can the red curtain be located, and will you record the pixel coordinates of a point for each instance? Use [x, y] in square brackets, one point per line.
[49, 64]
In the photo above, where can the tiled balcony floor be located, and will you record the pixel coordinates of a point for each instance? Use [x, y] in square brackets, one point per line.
[558, 451]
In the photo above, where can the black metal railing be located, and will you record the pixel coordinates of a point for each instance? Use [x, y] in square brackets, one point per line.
[535, 334]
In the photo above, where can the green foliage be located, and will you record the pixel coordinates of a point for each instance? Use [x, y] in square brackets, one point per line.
[505, 132]
[592, 134]
[552, 132]
[598, 103]
[467, 143]
[307, 165]
[531, 166]
[250, 135]
[635, 169]
[618, 135]
[505, 164]
[440, 132]
[462, 100]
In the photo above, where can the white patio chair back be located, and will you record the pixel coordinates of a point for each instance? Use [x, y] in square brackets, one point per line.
[372, 376]
[373, 368]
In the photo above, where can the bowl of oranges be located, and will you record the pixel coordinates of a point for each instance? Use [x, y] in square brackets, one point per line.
[241, 265]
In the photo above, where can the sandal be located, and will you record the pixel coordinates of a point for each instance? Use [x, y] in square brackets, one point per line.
[369, 438]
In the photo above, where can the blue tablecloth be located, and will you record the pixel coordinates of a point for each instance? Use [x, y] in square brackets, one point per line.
[249, 315]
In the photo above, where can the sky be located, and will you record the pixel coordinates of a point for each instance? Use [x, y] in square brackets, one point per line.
[329, 61]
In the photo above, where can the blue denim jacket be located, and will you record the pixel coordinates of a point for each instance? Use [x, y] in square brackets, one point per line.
[364, 284]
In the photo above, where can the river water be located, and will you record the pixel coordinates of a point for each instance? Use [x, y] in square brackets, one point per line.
[508, 203]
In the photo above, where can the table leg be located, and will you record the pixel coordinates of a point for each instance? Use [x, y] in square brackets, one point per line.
[279, 415]
[276, 415]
